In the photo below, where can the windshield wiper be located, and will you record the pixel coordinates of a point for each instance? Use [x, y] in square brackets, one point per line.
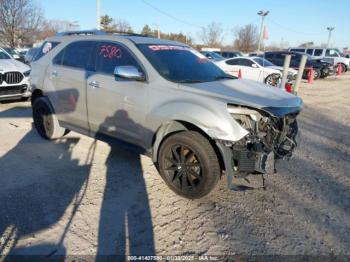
[189, 81]
[225, 77]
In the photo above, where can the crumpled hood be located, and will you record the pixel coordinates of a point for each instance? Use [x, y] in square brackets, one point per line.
[10, 65]
[280, 68]
[252, 94]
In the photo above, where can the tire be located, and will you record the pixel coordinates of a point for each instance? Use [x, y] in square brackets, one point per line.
[343, 68]
[188, 164]
[317, 74]
[45, 120]
[273, 79]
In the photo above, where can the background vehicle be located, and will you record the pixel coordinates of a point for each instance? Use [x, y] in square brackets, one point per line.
[14, 54]
[229, 54]
[320, 69]
[30, 55]
[14, 78]
[212, 55]
[330, 55]
[251, 69]
[167, 100]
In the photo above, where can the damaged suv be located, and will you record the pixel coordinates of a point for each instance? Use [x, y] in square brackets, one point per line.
[163, 97]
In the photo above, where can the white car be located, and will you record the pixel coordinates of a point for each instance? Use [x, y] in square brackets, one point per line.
[14, 78]
[251, 68]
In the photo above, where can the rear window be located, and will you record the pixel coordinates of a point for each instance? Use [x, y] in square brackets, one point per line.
[46, 47]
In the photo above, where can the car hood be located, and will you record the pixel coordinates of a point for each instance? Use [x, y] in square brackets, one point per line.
[251, 94]
[10, 65]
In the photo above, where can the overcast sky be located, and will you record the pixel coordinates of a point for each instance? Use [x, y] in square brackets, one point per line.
[294, 21]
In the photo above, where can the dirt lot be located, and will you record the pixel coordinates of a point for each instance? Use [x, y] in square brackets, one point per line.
[78, 196]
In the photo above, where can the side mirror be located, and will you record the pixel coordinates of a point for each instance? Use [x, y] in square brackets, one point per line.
[254, 66]
[129, 72]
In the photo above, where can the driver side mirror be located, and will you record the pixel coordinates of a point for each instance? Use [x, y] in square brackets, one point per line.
[254, 66]
[129, 72]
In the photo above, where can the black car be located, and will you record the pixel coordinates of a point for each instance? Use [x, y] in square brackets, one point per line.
[321, 68]
[230, 54]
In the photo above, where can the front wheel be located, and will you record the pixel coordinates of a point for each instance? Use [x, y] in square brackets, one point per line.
[188, 164]
[45, 120]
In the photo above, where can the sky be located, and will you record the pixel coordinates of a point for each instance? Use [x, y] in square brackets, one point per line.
[295, 22]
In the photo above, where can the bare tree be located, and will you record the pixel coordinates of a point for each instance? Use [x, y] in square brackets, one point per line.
[20, 21]
[212, 34]
[123, 26]
[247, 38]
[51, 27]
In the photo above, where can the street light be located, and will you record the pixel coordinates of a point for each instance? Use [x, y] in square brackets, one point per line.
[330, 29]
[98, 20]
[262, 14]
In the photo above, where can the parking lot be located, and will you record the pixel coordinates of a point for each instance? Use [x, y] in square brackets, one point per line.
[78, 196]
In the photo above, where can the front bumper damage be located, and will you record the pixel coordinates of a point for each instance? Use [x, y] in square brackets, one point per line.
[270, 138]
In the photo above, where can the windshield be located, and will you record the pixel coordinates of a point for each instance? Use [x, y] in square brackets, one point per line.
[215, 55]
[3, 55]
[182, 64]
[263, 62]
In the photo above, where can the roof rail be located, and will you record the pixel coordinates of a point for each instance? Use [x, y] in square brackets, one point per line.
[98, 32]
[82, 32]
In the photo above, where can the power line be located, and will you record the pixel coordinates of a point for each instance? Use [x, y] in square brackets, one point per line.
[292, 30]
[170, 16]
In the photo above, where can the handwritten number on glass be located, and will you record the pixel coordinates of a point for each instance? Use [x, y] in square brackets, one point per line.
[110, 52]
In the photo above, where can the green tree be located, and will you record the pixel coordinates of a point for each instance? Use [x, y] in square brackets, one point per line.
[146, 30]
[107, 23]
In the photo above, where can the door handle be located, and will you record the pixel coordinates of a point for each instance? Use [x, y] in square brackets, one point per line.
[54, 74]
[94, 84]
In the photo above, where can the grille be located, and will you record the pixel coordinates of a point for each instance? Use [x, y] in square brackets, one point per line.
[11, 78]
[12, 90]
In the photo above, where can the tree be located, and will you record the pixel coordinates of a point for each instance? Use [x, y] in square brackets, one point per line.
[107, 23]
[146, 30]
[212, 34]
[247, 38]
[123, 26]
[51, 27]
[20, 21]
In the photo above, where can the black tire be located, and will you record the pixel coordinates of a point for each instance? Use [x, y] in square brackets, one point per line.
[343, 68]
[317, 74]
[45, 120]
[188, 164]
[273, 79]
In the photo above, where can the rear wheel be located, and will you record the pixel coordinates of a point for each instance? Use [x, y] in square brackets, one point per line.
[188, 164]
[45, 120]
[317, 74]
[273, 79]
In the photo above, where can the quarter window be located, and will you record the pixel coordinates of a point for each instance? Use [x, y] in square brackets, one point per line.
[46, 47]
[110, 55]
[318, 52]
[77, 55]
[310, 51]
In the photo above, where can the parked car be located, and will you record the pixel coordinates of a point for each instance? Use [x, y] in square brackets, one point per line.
[14, 78]
[230, 54]
[330, 55]
[14, 54]
[212, 55]
[30, 55]
[320, 68]
[166, 99]
[251, 69]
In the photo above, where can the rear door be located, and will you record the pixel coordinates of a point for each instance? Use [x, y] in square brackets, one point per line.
[115, 105]
[67, 83]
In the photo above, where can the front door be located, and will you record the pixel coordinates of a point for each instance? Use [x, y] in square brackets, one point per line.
[115, 105]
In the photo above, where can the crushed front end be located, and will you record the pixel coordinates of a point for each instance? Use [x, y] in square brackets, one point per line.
[269, 138]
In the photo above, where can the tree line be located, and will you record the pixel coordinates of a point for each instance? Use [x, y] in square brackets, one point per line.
[22, 23]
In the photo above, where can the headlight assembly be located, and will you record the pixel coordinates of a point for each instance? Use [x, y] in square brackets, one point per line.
[26, 73]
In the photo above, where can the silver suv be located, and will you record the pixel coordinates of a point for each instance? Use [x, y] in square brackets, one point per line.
[167, 99]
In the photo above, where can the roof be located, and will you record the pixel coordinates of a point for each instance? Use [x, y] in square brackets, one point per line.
[135, 38]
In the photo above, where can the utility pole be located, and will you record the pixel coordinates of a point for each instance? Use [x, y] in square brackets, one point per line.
[263, 14]
[330, 29]
[98, 21]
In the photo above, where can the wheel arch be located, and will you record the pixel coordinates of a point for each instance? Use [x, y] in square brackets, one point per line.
[175, 126]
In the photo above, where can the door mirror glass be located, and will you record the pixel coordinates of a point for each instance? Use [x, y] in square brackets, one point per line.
[129, 72]
[254, 65]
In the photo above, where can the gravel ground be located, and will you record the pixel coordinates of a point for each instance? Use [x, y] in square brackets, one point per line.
[80, 197]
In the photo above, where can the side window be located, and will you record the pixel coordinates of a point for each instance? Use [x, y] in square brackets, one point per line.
[310, 51]
[110, 55]
[46, 47]
[57, 60]
[247, 62]
[318, 52]
[232, 62]
[331, 53]
[269, 56]
[78, 54]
